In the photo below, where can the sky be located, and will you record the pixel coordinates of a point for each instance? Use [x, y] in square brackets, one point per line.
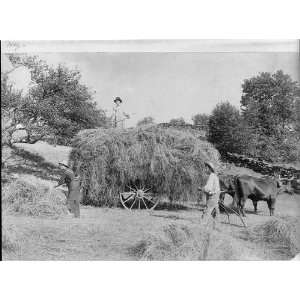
[167, 83]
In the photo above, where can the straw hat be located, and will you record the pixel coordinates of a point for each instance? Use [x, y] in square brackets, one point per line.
[210, 165]
[64, 163]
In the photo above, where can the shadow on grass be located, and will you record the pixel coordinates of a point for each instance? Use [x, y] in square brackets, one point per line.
[232, 224]
[252, 212]
[165, 205]
[171, 206]
[31, 163]
[173, 217]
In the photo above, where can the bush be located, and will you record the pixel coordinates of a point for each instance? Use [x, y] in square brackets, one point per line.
[34, 199]
[283, 149]
[289, 149]
[169, 161]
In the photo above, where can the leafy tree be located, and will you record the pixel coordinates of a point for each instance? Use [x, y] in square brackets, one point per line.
[268, 102]
[177, 122]
[297, 118]
[145, 121]
[11, 100]
[57, 103]
[201, 120]
[226, 129]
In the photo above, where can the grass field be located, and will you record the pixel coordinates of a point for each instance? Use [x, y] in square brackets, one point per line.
[118, 234]
[108, 234]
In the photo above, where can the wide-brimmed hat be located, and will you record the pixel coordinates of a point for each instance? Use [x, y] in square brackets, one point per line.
[64, 163]
[118, 99]
[210, 165]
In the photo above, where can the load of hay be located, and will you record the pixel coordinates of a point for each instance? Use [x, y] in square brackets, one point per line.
[169, 161]
[33, 198]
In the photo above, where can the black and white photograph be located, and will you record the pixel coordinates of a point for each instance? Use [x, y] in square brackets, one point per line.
[150, 150]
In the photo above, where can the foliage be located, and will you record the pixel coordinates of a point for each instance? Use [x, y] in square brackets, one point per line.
[297, 119]
[61, 102]
[201, 120]
[177, 122]
[226, 130]
[146, 121]
[275, 149]
[10, 101]
[268, 125]
[57, 103]
[268, 102]
[169, 161]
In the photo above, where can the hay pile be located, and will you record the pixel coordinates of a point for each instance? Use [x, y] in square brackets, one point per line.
[169, 161]
[33, 198]
[180, 242]
[283, 231]
[10, 241]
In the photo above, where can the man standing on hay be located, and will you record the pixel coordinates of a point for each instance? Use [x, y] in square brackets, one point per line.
[212, 192]
[118, 116]
[73, 184]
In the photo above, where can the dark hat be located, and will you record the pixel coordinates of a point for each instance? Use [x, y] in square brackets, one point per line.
[118, 99]
[210, 165]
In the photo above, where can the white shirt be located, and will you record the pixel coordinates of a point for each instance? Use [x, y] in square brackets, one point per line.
[212, 185]
[118, 117]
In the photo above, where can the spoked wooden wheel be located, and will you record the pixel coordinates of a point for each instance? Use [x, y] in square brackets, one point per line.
[138, 198]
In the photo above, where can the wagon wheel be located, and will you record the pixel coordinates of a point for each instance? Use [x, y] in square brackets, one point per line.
[138, 198]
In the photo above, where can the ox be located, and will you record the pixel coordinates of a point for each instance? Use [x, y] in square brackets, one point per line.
[258, 189]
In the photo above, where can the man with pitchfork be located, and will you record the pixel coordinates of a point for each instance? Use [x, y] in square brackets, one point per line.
[74, 188]
[212, 192]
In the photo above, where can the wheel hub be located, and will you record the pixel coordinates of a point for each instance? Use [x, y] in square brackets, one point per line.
[140, 193]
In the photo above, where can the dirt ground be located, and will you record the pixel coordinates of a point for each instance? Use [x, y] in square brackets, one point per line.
[108, 233]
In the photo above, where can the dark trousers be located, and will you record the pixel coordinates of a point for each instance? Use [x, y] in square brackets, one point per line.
[74, 197]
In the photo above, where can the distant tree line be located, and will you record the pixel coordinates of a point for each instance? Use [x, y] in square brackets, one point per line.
[267, 125]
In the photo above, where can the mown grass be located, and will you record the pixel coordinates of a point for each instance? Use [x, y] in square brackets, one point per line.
[117, 234]
[10, 240]
[184, 242]
[31, 196]
[281, 230]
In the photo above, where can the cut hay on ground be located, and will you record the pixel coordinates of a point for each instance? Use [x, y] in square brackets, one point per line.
[33, 198]
[169, 161]
[9, 238]
[180, 242]
[283, 230]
